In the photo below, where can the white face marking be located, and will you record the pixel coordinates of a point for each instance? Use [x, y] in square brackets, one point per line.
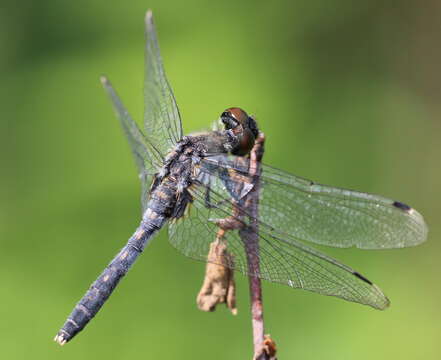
[217, 125]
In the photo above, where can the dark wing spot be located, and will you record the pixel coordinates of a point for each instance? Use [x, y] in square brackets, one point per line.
[362, 278]
[402, 206]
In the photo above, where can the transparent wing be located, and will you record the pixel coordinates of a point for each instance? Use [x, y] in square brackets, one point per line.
[283, 260]
[326, 215]
[147, 159]
[162, 121]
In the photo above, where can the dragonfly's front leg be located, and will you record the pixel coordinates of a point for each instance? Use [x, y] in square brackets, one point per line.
[208, 203]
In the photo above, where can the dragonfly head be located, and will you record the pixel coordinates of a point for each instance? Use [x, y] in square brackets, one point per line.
[244, 127]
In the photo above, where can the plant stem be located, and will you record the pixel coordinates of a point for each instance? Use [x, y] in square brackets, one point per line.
[250, 238]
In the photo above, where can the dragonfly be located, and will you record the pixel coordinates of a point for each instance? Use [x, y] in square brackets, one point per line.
[195, 183]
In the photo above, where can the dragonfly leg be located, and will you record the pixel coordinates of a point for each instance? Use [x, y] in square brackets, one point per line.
[228, 223]
[208, 203]
[232, 222]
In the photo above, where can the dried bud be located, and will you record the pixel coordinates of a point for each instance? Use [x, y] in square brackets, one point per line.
[218, 286]
[268, 351]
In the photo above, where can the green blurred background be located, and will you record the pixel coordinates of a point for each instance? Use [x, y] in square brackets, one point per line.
[347, 93]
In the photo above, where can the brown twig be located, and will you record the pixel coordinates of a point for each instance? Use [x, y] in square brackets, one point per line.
[264, 347]
[218, 286]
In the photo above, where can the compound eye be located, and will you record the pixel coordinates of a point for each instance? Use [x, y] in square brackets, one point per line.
[229, 121]
[225, 114]
[238, 114]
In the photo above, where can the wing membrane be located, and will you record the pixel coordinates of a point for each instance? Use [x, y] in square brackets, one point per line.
[281, 260]
[162, 121]
[147, 160]
[331, 216]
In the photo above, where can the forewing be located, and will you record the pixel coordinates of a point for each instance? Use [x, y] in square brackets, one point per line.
[331, 216]
[146, 158]
[282, 260]
[161, 116]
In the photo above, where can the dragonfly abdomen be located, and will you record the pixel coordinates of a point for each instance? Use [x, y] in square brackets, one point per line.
[103, 287]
